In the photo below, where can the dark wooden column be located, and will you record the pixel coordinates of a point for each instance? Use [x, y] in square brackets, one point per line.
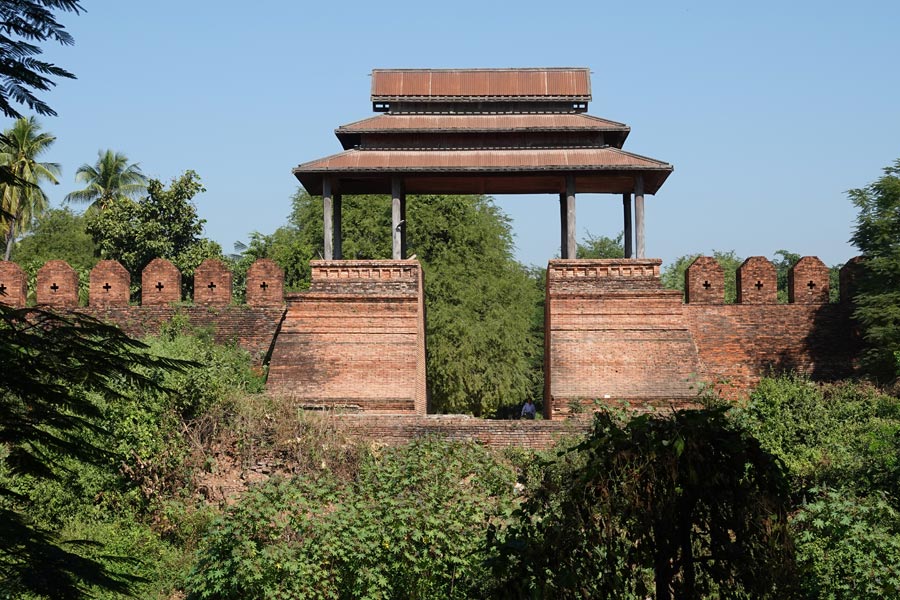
[627, 234]
[639, 214]
[398, 220]
[338, 237]
[328, 210]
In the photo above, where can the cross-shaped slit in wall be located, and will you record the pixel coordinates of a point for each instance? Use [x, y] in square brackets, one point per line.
[54, 287]
[707, 284]
[159, 286]
[811, 285]
[211, 286]
[107, 287]
[264, 286]
[758, 285]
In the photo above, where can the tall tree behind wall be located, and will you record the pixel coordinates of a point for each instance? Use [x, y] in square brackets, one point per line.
[484, 340]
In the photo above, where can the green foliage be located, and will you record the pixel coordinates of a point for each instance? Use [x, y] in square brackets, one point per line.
[877, 235]
[22, 199]
[783, 262]
[110, 178]
[602, 247]
[484, 315]
[58, 371]
[57, 234]
[410, 526]
[839, 435]
[848, 546]
[164, 224]
[25, 24]
[672, 275]
[690, 498]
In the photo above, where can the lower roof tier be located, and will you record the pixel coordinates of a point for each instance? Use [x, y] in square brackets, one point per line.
[507, 171]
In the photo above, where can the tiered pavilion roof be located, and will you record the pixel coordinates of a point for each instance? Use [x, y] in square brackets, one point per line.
[487, 131]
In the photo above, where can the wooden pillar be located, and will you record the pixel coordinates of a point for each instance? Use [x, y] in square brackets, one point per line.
[639, 214]
[570, 217]
[328, 209]
[627, 236]
[338, 238]
[563, 236]
[398, 226]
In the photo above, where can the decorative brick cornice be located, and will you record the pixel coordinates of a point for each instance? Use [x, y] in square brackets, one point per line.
[630, 268]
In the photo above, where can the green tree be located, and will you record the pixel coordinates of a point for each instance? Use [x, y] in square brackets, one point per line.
[687, 504]
[164, 224]
[56, 372]
[108, 179]
[484, 321]
[601, 247]
[57, 234]
[23, 199]
[672, 275]
[877, 235]
[784, 260]
[25, 23]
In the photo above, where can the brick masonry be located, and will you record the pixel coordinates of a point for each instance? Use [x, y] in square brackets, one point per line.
[808, 282]
[57, 284]
[356, 339]
[13, 284]
[253, 328]
[704, 282]
[110, 284]
[612, 334]
[212, 283]
[160, 283]
[400, 429]
[265, 283]
[757, 282]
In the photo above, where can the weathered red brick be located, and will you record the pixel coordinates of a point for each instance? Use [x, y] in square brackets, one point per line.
[57, 284]
[13, 284]
[110, 284]
[356, 339]
[757, 282]
[212, 283]
[160, 283]
[704, 282]
[265, 283]
[808, 281]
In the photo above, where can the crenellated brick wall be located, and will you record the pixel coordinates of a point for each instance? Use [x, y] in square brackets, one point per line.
[57, 284]
[110, 284]
[160, 283]
[13, 284]
[212, 283]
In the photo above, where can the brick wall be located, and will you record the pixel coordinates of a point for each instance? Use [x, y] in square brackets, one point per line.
[613, 333]
[252, 328]
[110, 284]
[212, 283]
[13, 284]
[356, 339]
[57, 284]
[160, 283]
[399, 429]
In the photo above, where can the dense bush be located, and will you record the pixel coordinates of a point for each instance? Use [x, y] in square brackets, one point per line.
[411, 525]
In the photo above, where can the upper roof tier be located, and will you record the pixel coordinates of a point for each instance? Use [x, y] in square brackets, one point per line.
[481, 85]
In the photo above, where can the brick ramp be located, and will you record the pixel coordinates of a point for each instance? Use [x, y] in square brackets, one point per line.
[615, 335]
[400, 429]
[355, 340]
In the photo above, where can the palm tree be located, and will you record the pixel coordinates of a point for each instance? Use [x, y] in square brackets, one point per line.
[21, 198]
[110, 178]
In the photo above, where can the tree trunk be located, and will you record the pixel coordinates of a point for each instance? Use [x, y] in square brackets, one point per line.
[10, 237]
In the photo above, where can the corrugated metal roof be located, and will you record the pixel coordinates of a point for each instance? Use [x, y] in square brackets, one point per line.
[551, 159]
[423, 84]
[512, 122]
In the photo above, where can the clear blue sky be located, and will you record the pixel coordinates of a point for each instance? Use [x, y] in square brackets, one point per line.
[769, 111]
